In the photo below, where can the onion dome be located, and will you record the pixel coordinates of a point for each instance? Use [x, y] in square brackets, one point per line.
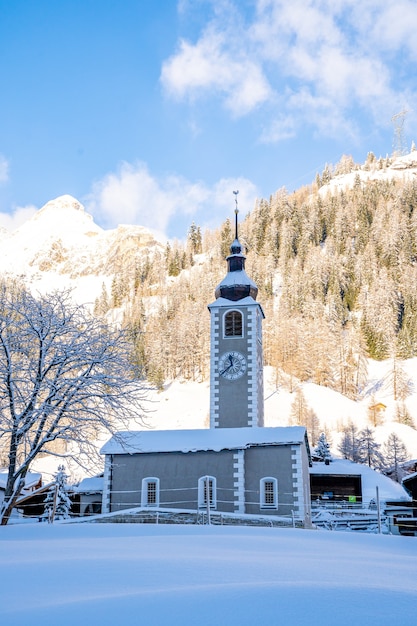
[236, 285]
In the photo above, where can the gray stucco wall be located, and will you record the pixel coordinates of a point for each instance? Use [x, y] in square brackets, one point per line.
[237, 403]
[238, 489]
[178, 474]
[276, 462]
[233, 394]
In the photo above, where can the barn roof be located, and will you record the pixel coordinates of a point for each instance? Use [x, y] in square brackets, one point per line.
[204, 439]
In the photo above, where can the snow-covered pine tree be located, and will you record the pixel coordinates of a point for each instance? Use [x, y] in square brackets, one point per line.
[322, 450]
[57, 502]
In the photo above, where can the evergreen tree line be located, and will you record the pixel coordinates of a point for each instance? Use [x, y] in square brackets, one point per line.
[336, 274]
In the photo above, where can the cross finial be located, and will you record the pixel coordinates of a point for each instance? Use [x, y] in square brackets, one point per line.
[236, 212]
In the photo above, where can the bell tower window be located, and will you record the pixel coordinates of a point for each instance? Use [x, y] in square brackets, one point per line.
[233, 324]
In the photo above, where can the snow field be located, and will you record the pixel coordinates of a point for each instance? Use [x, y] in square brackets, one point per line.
[158, 575]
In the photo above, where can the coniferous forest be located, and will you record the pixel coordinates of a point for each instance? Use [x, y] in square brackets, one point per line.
[336, 271]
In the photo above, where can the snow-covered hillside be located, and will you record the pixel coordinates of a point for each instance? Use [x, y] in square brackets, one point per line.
[185, 405]
[400, 168]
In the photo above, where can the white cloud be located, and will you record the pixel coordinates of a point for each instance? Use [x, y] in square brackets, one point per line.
[281, 128]
[208, 66]
[354, 58]
[4, 169]
[134, 196]
[11, 221]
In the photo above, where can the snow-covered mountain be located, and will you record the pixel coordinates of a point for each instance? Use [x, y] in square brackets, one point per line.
[62, 247]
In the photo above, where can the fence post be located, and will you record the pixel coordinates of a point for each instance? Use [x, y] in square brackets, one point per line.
[378, 506]
[208, 499]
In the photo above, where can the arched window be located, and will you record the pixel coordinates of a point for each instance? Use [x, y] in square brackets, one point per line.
[207, 489]
[150, 492]
[233, 324]
[268, 491]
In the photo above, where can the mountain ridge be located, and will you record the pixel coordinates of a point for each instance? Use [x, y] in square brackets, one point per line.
[62, 242]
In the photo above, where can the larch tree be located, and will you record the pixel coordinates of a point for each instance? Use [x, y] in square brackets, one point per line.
[349, 446]
[65, 378]
[402, 415]
[398, 380]
[299, 409]
[394, 453]
[312, 426]
[370, 453]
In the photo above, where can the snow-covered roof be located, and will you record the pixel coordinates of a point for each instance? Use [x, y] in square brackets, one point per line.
[93, 484]
[238, 277]
[224, 302]
[31, 479]
[215, 439]
[388, 489]
[410, 476]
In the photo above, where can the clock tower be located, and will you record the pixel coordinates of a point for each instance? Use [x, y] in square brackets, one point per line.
[236, 360]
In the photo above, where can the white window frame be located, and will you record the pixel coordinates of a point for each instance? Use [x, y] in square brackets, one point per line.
[224, 324]
[202, 503]
[263, 494]
[145, 493]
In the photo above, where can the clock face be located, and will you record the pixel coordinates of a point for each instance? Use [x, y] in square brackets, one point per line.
[232, 365]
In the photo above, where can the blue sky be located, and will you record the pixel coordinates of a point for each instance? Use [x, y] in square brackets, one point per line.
[152, 112]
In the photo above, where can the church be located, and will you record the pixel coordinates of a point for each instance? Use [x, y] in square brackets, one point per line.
[236, 466]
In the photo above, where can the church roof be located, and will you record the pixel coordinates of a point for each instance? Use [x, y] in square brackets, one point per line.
[204, 439]
[236, 282]
[224, 302]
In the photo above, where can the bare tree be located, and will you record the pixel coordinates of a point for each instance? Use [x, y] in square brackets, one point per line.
[299, 409]
[395, 453]
[370, 453]
[65, 377]
[349, 446]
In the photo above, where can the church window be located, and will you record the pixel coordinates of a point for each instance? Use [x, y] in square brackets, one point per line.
[233, 324]
[150, 492]
[269, 493]
[207, 489]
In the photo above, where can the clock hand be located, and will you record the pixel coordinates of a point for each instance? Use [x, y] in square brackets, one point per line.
[227, 368]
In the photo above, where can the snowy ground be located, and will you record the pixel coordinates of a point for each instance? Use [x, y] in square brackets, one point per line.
[157, 575]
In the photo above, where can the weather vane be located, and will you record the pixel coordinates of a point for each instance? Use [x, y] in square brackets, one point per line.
[236, 212]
